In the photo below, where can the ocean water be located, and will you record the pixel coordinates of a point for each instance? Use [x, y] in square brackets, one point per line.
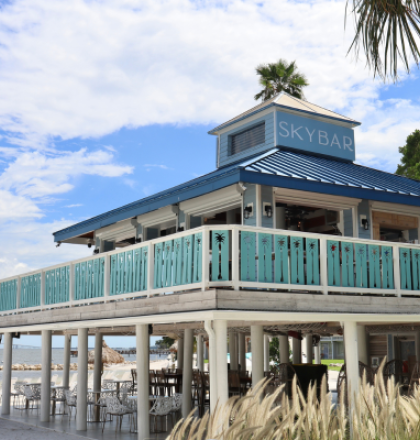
[33, 356]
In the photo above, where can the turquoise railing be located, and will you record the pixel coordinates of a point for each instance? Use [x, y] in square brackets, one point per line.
[89, 279]
[57, 285]
[129, 271]
[218, 256]
[178, 261]
[281, 259]
[8, 295]
[30, 294]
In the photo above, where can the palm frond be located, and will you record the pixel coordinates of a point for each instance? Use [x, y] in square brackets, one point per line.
[387, 31]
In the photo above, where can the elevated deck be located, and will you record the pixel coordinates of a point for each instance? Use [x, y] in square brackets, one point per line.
[215, 268]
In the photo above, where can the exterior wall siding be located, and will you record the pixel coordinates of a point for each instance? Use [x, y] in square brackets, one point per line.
[267, 197]
[223, 150]
[250, 196]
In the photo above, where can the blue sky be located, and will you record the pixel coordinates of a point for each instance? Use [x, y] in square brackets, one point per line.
[106, 102]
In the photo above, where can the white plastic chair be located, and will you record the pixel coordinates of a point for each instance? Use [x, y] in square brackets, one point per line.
[18, 394]
[115, 408]
[32, 394]
[162, 406]
[71, 401]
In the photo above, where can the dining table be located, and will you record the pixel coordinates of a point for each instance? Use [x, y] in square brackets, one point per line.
[118, 383]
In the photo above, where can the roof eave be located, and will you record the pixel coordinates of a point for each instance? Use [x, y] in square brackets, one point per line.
[134, 210]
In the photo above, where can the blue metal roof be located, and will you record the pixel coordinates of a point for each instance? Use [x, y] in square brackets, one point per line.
[297, 165]
[277, 168]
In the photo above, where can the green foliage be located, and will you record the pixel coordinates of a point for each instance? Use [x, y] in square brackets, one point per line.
[410, 161]
[280, 77]
[386, 30]
[165, 342]
[275, 354]
[332, 361]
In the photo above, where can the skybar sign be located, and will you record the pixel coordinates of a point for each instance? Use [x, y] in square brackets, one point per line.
[315, 136]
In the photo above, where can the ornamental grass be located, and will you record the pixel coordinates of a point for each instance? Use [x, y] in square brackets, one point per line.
[379, 413]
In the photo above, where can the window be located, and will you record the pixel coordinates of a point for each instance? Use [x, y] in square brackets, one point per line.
[247, 139]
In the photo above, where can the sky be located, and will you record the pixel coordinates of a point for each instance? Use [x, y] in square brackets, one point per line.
[105, 102]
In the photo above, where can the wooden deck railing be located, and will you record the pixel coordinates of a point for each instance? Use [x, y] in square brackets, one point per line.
[230, 256]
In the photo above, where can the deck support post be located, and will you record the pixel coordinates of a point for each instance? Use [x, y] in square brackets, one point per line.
[212, 365]
[242, 350]
[266, 353]
[46, 375]
[284, 349]
[232, 351]
[7, 373]
[297, 350]
[257, 348]
[352, 363]
[82, 379]
[200, 353]
[309, 349]
[362, 344]
[180, 353]
[66, 360]
[142, 345]
[187, 372]
[97, 366]
[220, 330]
[317, 353]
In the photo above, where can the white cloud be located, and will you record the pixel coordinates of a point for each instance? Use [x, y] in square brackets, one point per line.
[83, 69]
[74, 205]
[35, 174]
[29, 245]
[163, 167]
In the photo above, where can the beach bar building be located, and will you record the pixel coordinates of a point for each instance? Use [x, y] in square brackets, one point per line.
[288, 237]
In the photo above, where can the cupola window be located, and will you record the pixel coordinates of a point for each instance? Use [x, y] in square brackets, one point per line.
[247, 139]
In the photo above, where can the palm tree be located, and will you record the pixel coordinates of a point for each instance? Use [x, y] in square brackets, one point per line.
[387, 30]
[280, 77]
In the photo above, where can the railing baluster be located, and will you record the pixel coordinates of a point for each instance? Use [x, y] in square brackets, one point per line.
[323, 265]
[235, 258]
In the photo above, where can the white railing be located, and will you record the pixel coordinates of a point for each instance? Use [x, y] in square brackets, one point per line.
[228, 256]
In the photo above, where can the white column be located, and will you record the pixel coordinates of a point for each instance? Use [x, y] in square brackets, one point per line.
[309, 349]
[297, 351]
[220, 330]
[362, 344]
[82, 379]
[142, 345]
[45, 375]
[232, 351]
[317, 353]
[257, 348]
[7, 373]
[266, 353]
[200, 353]
[284, 349]
[97, 366]
[352, 359]
[180, 353]
[66, 361]
[212, 365]
[242, 351]
[187, 372]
